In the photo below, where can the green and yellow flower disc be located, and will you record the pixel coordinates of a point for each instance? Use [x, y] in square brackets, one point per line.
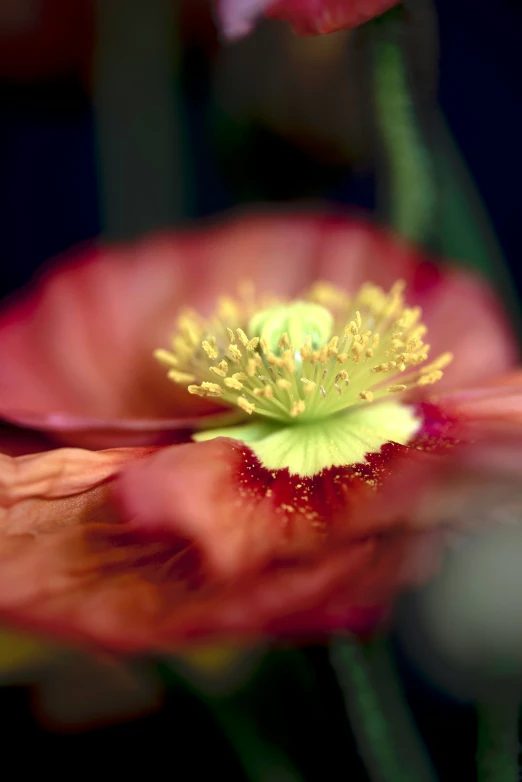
[320, 378]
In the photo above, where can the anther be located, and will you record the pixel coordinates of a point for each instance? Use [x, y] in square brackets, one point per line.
[210, 349]
[297, 408]
[244, 404]
[231, 382]
[242, 337]
[180, 377]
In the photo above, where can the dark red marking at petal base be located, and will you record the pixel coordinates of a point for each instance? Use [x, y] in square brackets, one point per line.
[439, 430]
[334, 498]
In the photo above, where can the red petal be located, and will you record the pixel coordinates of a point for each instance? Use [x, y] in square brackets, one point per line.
[308, 17]
[77, 351]
[317, 17]
[243, 517]
[206, 552]
[98, 584]
[46, 490]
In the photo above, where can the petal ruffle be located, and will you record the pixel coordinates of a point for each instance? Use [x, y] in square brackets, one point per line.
[71, 569]
[77, 351]
[204, 545]
[102, 585]
[43, 491]
[244, 518]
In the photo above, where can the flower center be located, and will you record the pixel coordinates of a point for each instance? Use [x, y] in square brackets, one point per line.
[320, 377]
[304, 360]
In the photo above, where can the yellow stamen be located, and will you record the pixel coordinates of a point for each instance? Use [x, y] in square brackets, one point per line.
[297, 408]
[206, 389]
[287, 352]
[180, 377]
[245, 405]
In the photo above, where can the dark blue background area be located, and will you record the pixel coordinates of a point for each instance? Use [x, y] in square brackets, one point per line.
[48, 188]
[480, 90]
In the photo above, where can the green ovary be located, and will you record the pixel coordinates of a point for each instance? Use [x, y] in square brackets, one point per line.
[297, 319]
[307, 448]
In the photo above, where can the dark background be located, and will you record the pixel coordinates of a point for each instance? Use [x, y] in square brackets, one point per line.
[49, 202]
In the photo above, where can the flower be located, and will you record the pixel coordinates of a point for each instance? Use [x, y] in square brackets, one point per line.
[255, 491]
[307, 17]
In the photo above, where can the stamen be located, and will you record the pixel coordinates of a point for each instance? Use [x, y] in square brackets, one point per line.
[245, 405]
[180, 377]
[206, 389]
[287, 356]
[297, 408]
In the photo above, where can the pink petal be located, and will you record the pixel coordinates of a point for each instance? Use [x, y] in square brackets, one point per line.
[237, 17]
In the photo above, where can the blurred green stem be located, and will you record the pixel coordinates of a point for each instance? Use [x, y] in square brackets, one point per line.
[262, 760]
[380, 718]
[498, 741]
[411, 191]
[140, 133]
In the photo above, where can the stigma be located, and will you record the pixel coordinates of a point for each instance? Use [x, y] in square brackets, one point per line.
[307, 359]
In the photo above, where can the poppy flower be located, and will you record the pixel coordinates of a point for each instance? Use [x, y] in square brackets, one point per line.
[307, 17]
[275, 457]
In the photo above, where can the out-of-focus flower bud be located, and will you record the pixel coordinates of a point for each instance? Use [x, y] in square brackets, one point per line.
[307, 17]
